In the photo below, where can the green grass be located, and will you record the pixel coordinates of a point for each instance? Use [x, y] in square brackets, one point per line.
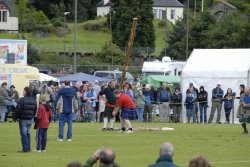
[223, 145]
[160, 34]
[87, 41]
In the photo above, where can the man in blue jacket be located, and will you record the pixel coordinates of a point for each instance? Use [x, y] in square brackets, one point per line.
[163, 98]
[217, 99]
[67, 102]
[166, 156]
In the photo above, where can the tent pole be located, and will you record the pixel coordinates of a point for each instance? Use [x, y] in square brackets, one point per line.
[233, 111]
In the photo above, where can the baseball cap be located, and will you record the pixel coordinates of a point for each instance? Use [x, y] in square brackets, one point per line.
[218, 83]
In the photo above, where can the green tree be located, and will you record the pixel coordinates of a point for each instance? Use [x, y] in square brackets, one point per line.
[40, 22]
[200, 28]
[32, 55]
[235, 34]
[105, 55]
[39, 18]
[46, 6]
[122, 17]
[23, 13]
[177, 40]
[199, 31]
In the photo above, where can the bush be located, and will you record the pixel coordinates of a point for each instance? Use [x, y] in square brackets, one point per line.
[162, 23]
[57, 22]
[105, 54]
[95, 25]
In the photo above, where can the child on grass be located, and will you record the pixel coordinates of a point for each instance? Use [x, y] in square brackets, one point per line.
[44, 117]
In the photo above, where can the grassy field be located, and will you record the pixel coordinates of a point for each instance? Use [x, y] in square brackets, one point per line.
[87, 41]
[223, 145]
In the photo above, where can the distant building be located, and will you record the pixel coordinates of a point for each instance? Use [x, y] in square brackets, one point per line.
[222, 8]
[103, 7]
[8, 17]
[171, 10]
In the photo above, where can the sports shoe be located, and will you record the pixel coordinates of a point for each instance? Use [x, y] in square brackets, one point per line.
[245, 132]
[121, 131]
[130, 131]
[44, 151]
[36, 151]
[69, 140]
[60, 140]
[104, 129]
[111, 129]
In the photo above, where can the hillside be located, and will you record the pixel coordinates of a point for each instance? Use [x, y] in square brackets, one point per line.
[87, 41]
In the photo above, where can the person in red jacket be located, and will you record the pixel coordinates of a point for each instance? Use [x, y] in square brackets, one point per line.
[128, 110]
[44, 117]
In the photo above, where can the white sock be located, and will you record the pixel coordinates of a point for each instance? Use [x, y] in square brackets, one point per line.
[105, 121]
[127, 122]
[112, 123]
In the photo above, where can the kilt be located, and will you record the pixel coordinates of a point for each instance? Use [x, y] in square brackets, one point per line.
[244, 118]
[108, 112]
[129, 114]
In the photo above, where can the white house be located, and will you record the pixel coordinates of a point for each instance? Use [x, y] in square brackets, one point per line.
[8, 18]
[162, 9]
[171, 10]
[103, 7]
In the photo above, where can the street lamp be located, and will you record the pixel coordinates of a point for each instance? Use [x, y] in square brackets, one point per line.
[65, 14]
[75, 32]
[111, 41]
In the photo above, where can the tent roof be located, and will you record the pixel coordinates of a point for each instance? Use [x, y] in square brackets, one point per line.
[45, 77]
[156, 80]
[217, 63]
[82, 77]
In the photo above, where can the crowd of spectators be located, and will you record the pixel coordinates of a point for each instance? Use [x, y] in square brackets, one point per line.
[95, 102]
[106, 158]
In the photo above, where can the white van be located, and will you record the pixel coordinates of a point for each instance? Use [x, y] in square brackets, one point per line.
[165, 67]
[117, 75]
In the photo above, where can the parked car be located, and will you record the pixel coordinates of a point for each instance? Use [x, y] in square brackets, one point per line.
[117, 75]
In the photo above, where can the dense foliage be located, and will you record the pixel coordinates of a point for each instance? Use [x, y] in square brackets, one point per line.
[122, 17]
[205, 31]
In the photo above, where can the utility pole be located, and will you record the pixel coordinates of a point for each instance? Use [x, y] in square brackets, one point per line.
[187, 8]
[111, 40]
[75, 32]
[202, 5]
[64, 42]
[194, 8]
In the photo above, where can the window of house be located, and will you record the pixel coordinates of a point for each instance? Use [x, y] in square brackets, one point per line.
[4, 16]
[172, 14]
[160, 14]
[155, 13]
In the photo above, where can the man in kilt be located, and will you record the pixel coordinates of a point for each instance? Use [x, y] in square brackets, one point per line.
[245, 115]
[128, 110]
[110, 105]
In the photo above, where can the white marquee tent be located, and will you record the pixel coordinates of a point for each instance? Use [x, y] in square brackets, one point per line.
[207, 67]
[45, 77]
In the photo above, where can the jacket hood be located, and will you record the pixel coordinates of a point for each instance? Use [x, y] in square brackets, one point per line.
[67, 92]
[202, 87]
